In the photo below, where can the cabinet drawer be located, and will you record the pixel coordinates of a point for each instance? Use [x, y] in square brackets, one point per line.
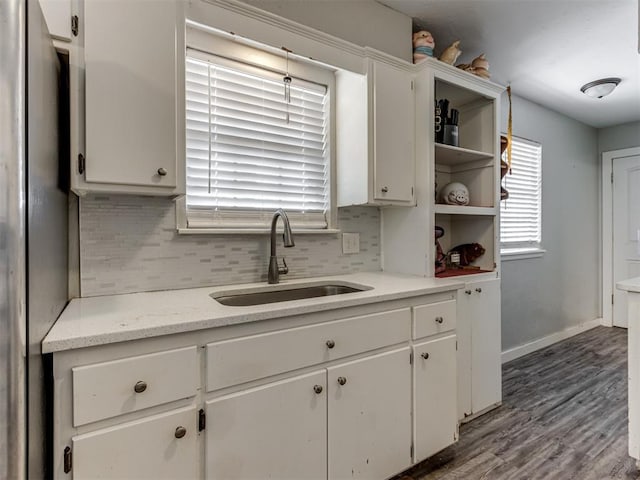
[434, 318]
[240, 360]
[104, 390]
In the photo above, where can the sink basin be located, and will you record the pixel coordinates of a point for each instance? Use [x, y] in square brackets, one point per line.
[275, 293]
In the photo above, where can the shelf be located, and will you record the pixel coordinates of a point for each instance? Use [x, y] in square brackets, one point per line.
[443, 209]
[461, 271]
[450, 155]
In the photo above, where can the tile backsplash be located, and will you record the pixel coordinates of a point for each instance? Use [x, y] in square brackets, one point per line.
[130, 244]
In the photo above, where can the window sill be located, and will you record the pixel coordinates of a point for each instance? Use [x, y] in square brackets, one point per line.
[254, 231]
[508, 254]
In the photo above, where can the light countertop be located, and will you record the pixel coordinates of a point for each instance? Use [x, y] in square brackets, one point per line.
[116, 318]
[631, 285]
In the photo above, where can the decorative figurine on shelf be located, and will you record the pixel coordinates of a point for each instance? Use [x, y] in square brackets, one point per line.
[469, 252]
[479, 66]
[504, 166]
[455, 193]
[441, 259]
[451, 53]
[423, 45]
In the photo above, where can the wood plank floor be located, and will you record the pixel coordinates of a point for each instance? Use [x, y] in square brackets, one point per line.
[564, 417]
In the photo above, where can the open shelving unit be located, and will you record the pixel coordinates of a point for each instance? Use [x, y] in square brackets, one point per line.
[474, 162]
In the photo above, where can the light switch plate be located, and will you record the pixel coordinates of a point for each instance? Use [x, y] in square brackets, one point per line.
[350, 243]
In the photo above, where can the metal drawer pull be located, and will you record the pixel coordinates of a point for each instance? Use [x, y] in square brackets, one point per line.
[140, 387]
[180, 432]
[331, 344]
[162, 171]
[317, 389]
[439, 319]
[468, 292]
[479, 290]
[384, 189]
[424, 355]
[342, 380]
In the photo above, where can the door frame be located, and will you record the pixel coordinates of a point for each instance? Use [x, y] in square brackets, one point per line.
[607, 229]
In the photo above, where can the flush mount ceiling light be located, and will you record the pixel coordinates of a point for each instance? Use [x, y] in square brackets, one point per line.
[600, 88]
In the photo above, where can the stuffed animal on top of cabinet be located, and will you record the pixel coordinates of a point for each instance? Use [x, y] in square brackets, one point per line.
[479, 66]
[451, 53]
[423, 45]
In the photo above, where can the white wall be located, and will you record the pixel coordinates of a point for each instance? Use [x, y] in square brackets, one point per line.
[543, 296]
[363, 22]
[622, 136]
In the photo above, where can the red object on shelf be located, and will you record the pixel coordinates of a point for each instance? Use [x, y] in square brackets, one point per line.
[455, 272]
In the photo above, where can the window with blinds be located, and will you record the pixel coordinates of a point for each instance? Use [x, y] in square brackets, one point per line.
[521, 213]
[249, 151]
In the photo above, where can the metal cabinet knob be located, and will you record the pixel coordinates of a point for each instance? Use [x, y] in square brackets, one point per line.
[439, 319]
[180, 432]
[162, 171]
[468, 292]
[331, 344]
[384, 189]
[317, 389]
[140, 387]
[479, 290]
[424, 355]
[342, 380]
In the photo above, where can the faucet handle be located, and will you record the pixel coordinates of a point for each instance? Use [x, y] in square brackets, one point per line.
[283, 270]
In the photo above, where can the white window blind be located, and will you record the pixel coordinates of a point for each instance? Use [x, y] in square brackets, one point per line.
[248, 151]
[521, 213]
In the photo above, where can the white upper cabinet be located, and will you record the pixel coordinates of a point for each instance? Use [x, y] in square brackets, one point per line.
[375, 136]
[133, 64]
[394, 164]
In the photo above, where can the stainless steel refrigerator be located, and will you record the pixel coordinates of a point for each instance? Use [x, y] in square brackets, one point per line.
[33, 233]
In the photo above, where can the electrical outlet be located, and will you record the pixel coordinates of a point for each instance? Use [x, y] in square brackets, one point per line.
[350, 243]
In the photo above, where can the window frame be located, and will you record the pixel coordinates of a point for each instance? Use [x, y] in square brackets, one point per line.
[256, 55]
[525, 248]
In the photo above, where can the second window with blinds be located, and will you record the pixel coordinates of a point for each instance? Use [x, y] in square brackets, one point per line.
[521, 213]
[254, 141]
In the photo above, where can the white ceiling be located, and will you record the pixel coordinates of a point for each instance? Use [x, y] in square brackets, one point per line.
[545, 49]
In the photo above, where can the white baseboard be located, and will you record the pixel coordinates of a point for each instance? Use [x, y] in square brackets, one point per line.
[520, 350]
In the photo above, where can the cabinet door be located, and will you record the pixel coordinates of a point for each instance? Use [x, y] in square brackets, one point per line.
[393, 131]
[465, 311]
[369, 416]
[274, 431]
[147, 448]
[130, 72]
[482, 308]
[435, 409]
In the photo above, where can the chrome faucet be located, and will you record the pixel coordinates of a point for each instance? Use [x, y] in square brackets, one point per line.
[275, 270]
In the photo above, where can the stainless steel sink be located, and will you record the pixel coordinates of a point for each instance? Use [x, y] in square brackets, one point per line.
[284, 293]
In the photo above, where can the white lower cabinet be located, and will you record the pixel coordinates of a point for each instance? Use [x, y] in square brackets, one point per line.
[342, 397]
[158, 447]
[369, 428]
[359, 413]
[435, 413]
[479, 347]
[277, 431]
